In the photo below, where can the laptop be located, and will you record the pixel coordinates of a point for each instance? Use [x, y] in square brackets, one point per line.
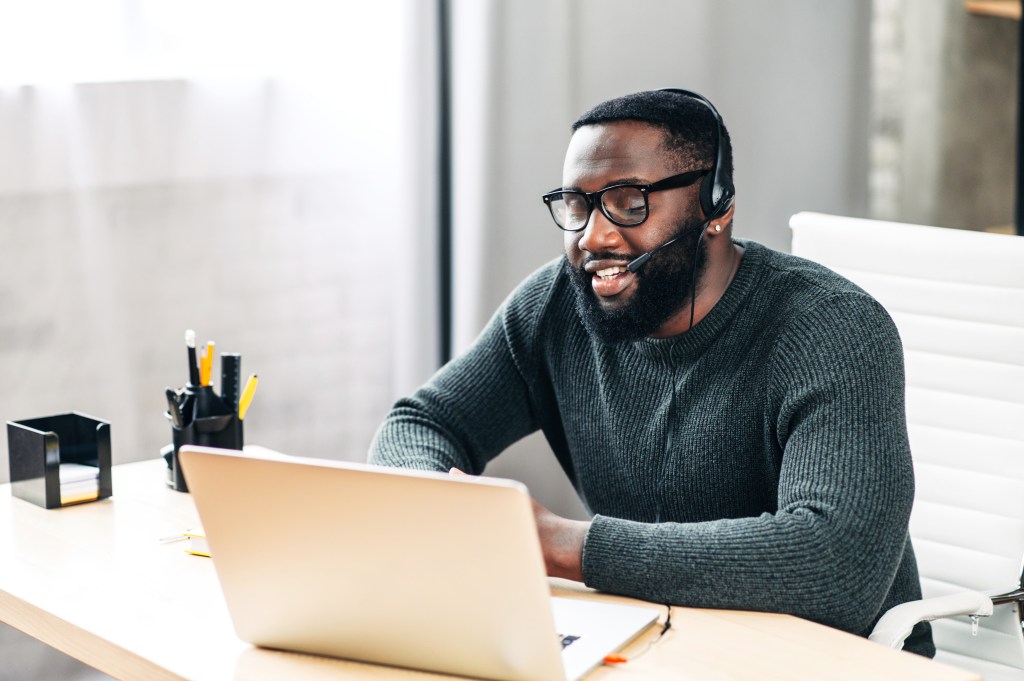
[398, 567]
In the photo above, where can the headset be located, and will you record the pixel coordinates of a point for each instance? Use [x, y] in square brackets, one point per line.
[716, 195]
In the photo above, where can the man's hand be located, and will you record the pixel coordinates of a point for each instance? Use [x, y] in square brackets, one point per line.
[561, 540]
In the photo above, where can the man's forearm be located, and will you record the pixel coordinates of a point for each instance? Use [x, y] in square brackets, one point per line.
[561, 540]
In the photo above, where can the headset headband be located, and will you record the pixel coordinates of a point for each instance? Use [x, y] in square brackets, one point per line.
[715, 195]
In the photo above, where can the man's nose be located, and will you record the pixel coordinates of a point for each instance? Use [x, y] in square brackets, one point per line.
[600, 234]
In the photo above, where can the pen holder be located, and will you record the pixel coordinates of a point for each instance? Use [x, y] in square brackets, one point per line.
[209, 422]
[38, 447]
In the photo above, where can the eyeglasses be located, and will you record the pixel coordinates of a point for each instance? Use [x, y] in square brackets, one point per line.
[625, 205]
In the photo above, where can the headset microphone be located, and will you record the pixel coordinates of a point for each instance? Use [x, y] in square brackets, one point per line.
[639, 262]
[634, 265]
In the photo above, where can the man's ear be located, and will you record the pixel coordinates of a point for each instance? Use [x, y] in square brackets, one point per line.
[724, 221]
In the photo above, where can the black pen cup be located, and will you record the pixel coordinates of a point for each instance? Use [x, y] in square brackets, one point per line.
[207, 422]
[37, 447]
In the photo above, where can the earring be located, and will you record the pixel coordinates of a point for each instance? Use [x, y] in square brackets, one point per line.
[718, 228]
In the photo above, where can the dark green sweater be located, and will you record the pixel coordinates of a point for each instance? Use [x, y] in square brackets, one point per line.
[758, 462]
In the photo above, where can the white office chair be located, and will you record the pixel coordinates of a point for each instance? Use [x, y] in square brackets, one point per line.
[957, 298]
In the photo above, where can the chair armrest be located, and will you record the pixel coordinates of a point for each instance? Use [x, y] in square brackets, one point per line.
[896, 624]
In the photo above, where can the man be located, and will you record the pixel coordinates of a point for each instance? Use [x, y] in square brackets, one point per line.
[732, 416]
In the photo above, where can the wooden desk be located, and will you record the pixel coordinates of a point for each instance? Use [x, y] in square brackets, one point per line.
[95, 582]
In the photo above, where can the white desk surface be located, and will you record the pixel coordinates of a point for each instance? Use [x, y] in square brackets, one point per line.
[95, 582]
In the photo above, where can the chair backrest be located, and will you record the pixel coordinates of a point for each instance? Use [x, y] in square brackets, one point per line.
[957, 298]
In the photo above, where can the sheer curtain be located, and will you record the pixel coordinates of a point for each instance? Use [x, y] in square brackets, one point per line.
[259, 172]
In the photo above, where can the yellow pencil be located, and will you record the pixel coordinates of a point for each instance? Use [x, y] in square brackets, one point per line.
[247, 393]
[206, 364]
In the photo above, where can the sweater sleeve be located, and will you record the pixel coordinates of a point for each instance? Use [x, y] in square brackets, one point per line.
[831, 550]
[476, 405]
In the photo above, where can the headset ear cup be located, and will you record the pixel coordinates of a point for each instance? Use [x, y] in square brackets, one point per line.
[724, 202]
[707, 201]
[713, 203]
[715, 196]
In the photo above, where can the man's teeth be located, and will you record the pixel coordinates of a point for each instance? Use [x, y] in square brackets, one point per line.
[610, 272]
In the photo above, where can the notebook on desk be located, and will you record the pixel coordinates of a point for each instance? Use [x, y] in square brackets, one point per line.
[404, 568]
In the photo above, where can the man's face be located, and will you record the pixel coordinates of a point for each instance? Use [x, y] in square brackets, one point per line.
[614, 303]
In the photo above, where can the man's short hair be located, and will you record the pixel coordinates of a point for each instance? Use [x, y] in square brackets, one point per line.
[688, 123]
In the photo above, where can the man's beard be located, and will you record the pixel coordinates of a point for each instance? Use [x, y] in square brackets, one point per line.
[663, 287]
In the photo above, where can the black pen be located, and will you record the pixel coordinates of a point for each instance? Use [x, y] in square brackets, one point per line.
[173, 409]
[193, 367]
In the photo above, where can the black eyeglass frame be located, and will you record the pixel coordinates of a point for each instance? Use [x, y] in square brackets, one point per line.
[593, 199]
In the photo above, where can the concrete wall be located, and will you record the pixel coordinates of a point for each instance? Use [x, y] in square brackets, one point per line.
[945, 112]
